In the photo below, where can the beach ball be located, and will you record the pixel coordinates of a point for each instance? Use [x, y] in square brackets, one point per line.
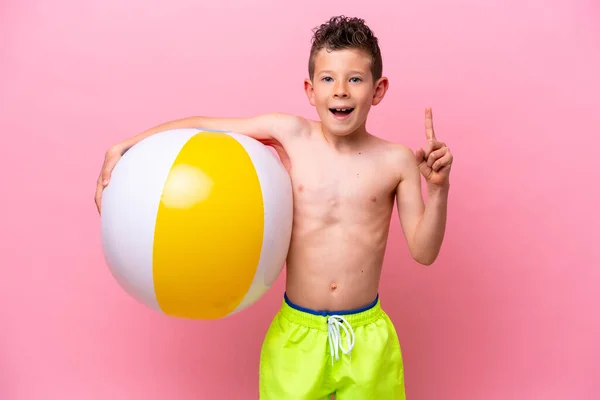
[197, 224]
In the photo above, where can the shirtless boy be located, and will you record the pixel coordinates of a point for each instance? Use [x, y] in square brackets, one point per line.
[331, 335]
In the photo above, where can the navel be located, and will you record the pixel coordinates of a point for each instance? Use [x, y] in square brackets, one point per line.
[373, 199]
[333, 286]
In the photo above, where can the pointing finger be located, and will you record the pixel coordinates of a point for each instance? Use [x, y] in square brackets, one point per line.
[429, 132]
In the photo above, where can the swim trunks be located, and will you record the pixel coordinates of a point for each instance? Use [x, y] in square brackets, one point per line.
[310, 354]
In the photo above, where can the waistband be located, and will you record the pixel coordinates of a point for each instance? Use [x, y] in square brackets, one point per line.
[319, 319]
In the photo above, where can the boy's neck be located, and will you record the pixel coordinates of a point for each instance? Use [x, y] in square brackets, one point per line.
[349, 142]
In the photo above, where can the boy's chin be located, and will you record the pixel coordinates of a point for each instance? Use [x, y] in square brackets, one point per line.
[337, 130]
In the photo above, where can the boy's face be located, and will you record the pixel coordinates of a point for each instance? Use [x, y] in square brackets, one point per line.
[343, 81]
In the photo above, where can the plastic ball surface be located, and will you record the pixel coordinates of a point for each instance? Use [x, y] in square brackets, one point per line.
[197, 224]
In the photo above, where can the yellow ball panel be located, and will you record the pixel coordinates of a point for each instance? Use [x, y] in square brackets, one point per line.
[209, 229]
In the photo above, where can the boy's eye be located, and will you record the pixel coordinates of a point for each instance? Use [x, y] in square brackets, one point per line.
[327, 79]
[355, 80]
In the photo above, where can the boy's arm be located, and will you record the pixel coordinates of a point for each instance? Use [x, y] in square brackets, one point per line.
[424, 223]
[265, 127]
[272, 128]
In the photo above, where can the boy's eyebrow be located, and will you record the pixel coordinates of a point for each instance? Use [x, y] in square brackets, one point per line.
[327, 71]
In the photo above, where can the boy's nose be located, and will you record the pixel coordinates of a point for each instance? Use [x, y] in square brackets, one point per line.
[341, 91]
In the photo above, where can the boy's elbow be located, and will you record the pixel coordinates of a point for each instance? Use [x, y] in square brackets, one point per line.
[426, 259]
[423, 253]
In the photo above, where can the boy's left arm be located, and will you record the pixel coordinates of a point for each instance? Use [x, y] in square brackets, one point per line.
[424, 224]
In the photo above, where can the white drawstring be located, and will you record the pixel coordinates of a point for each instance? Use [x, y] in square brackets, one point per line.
[334, 323]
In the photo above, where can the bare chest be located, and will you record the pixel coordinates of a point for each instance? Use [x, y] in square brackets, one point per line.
[348, 189]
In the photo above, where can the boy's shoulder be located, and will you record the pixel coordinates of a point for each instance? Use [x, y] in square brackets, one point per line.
[398, 158]
[282, 124]
[393, 151]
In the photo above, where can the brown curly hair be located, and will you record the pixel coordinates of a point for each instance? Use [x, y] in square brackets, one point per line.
[343, 32]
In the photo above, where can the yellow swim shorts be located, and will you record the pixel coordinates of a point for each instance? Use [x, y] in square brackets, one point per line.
[353, 354]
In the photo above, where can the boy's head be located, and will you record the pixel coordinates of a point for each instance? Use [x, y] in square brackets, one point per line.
[345, 74]
[341, 33]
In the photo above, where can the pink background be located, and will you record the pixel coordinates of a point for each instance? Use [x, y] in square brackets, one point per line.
[509, 311]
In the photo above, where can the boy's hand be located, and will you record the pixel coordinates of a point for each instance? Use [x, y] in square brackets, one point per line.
[436, 160]
[110, 160]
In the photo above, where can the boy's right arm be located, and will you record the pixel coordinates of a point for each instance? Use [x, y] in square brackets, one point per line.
[267, 128]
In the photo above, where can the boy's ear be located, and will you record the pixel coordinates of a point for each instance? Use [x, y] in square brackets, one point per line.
[308, 88]
[381, 87]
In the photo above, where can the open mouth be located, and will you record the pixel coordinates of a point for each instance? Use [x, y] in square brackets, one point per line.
[341, 112]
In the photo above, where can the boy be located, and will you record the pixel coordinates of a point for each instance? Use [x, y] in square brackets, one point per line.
[331, 335]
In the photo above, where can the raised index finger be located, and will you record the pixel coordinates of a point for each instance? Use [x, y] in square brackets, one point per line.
[429, 132]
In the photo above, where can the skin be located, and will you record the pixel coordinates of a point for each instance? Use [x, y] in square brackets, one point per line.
[346, 183]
